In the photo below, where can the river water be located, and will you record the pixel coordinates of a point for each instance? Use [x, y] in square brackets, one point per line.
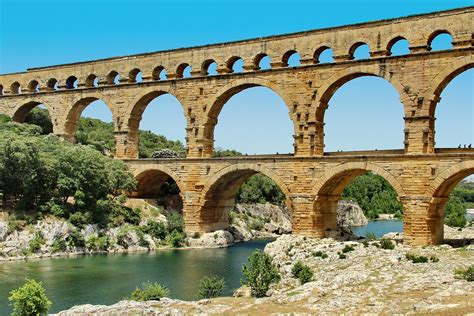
[106, 279]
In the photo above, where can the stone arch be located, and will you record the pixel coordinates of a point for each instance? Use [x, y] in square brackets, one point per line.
[434, 34]
[328, 188]
[159, 172]
[394, 41]
[445, 182]
[218, 194]
[358, 168]
[225, 93]
[73, 112]
[443, 78]
[20, 113]
[336, 81]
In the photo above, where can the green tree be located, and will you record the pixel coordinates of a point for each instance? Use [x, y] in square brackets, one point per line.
[260, 273]
[30, 299]
[455, 212]
[260, 189]
[149, 291]
[40, 117]
[211, 286]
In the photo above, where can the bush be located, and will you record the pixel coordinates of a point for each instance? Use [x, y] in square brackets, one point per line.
[416, 259]
[36, 242]
[30, 299]
[75, 239]
[149, 291]
[59, 244]
[97, 243]
[365, 243]
[320, 254]
[13, 225]
[342, 256]
[348, 248]
[466, 274]
[255, 224]
[371, 236]
[260, 273]
[155, 229]
[386, 244]
[211, 286]
[79, 219]
[302, 272]
[176, 239]
[175, 222]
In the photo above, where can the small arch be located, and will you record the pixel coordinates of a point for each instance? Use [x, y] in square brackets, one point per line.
[135, 75]
[33, 86]
[359, 50]
[159, 73]
[71, 82]
[262, 62]
[440, 40]
[235, 64]
[324, 55]
[15, 88]
[113, 77]
[92, 81]
[209, 68]
[398, 46]
[183, 71]
[52, 84]
[291, 59]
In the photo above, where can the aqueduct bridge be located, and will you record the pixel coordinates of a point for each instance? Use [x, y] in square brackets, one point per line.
[422, 175]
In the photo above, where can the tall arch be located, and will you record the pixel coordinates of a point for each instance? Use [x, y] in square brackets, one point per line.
[22, 111]
[218, 194]
[328, 188]
[74, 111]
[334, 83]
[224, 94]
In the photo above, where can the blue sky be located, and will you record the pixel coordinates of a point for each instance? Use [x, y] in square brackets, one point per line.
[364, 114]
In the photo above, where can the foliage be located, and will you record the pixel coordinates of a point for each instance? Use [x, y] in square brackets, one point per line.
[342, 256]
[176, 239]
[149, 291]
[155, 229]
[150, 142]
[219, 152]
[455, 212]
[347, 248]
[36, 242]
[371, 236]
[75, 239]
[467, 274]
[260, 273]
[416, 259]
[211, 286]
[386, 244]
[97, 243]
[302, 272]
[59, 243]
[40, 117]
[30, 299]
[374, 195]
[260, 189]
[320, 254]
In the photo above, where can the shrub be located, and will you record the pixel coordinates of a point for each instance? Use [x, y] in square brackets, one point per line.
[176, 239]
[149, 291]
[13, 225]
[211, 286]
[434, 259]
[30, 299]
[386, 244]
[79, 219]
[97, 243]
[302, 272]
[260, 273]
[59, 244]
[318, 254]
[255, 224]
[121, 234]
[365, 243]
[155, 229]
[342, 256]
[370, 236]
[175, 222]
[142, 242]
[416, 259]
[75, 239]
[348, 248]
[36, 242]
[466, 274]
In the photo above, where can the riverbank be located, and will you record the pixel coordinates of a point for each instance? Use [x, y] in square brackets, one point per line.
[369, 280]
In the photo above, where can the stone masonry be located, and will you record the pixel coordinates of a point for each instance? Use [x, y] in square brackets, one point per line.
[312, 180]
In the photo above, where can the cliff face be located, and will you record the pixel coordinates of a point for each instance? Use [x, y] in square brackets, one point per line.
[350, 214]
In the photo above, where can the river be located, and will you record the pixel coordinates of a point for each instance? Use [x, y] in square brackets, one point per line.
[106, 279]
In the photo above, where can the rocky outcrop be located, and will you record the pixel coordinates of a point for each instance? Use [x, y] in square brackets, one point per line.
[217, 239]
[350, 214]
[370, 280]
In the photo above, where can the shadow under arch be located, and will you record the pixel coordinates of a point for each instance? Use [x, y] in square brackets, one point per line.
[150, 180]
[219, 192]
[218, 102]
[73, 112]
[328, 188]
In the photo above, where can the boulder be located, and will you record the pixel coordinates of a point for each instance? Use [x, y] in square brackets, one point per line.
[350, 214]
[217, 239]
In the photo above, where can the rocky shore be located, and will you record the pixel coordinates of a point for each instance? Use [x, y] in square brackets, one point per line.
[369, 280]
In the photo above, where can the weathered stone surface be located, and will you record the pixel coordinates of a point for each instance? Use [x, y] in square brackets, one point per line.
[350, 214]
[312, 180]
